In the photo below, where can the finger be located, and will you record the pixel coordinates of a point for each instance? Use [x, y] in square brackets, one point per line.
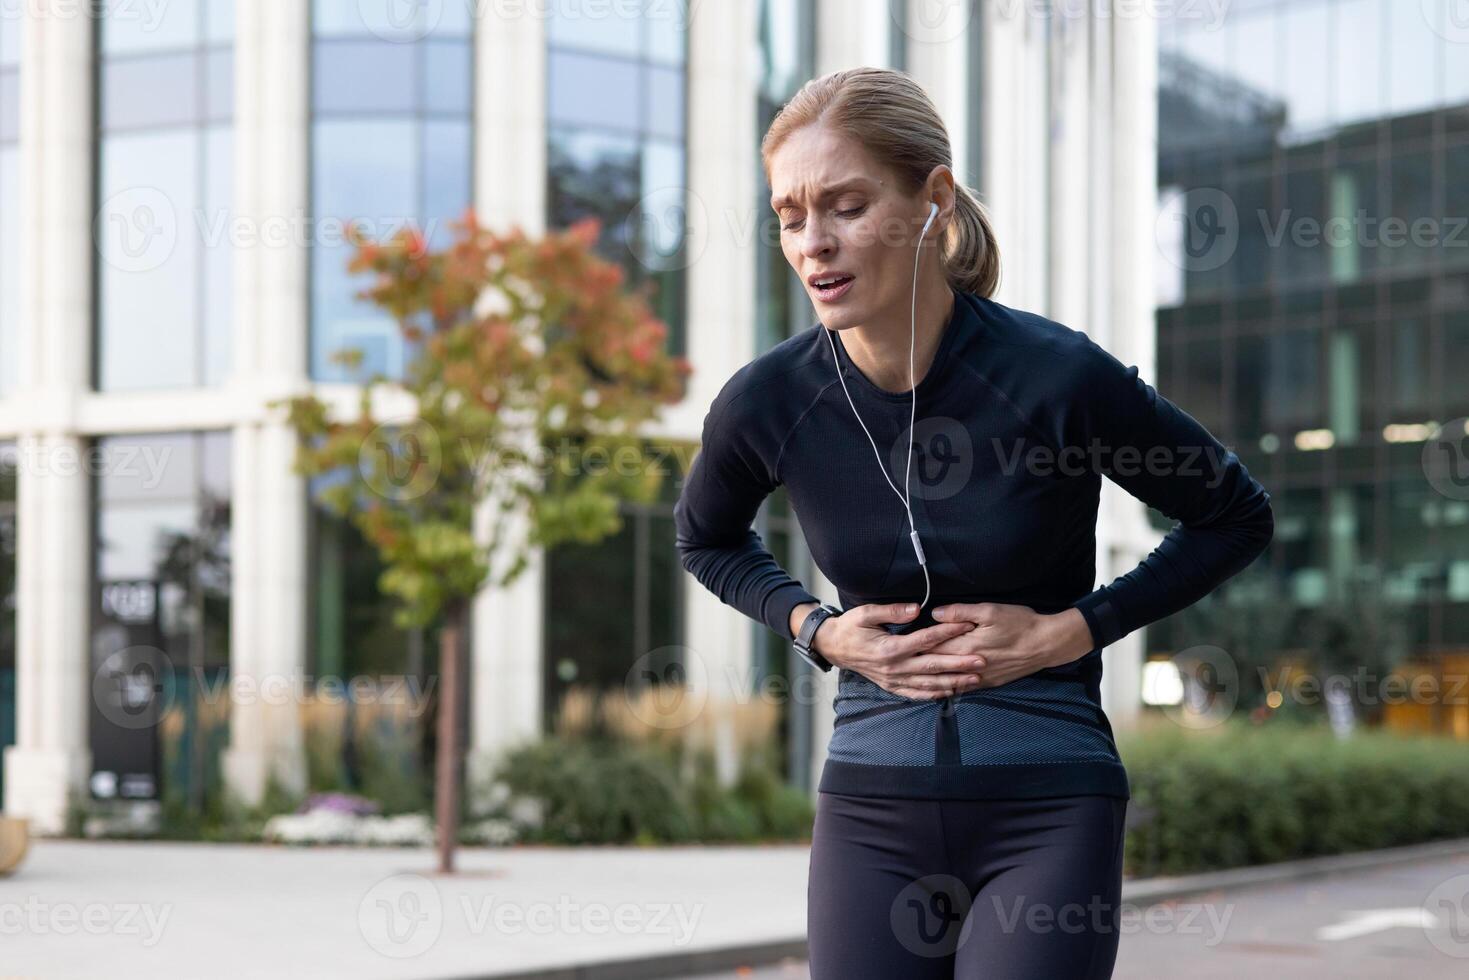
[955, 612]
[920, 640]
[941, 685]
[932, 663]
[878, 613]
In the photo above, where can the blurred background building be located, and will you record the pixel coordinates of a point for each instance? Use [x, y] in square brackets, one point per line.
[1328, 338]
[171, 199]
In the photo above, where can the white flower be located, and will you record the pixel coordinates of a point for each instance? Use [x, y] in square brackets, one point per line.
[527, 811]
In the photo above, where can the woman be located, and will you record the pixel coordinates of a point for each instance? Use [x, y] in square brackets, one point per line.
[970, 812]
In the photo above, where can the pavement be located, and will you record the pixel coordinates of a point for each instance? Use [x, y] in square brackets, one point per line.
[1357, 923]
[154, 909]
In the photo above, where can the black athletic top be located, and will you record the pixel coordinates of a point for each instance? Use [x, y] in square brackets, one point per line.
[1018, 419]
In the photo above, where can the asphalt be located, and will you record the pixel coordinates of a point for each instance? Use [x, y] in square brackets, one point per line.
[150, 909]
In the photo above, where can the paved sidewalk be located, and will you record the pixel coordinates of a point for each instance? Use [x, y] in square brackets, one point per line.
[161, 910]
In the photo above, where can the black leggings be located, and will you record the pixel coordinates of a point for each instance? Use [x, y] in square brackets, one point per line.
[999, 889]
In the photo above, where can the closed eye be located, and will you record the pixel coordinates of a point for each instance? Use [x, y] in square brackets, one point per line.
[849, 213]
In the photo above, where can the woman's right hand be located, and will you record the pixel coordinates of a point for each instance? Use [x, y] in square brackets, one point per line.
[897, 662]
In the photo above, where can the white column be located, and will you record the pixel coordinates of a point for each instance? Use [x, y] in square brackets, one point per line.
[1013, 119]
[724, 221]
[50, 759]
[1132, 191]
[269, 508]
[851, 33]
[938, 59]
[507, 642]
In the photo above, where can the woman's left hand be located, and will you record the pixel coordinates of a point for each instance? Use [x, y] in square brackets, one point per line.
[1014, 641]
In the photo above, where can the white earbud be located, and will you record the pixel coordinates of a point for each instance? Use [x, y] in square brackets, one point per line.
[933, 212]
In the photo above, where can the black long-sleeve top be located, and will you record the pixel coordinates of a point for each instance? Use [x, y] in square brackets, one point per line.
[1018, 419]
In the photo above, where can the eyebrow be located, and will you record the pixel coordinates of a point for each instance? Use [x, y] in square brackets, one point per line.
[780, 202]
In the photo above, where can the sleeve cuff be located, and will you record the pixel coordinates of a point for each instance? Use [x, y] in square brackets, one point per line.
[780, 606]
[1102, 616]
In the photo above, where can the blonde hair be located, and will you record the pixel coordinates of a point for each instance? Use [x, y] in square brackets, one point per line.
[891, 116]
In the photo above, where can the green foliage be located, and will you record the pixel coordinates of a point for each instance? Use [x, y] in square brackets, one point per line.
[534, 370]
[610, 791]
[1257, 794]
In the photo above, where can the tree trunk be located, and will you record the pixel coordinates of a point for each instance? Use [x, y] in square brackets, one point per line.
[446, 782]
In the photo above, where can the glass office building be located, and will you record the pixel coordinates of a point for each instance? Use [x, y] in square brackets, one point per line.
[1314, 308]
[174, 183]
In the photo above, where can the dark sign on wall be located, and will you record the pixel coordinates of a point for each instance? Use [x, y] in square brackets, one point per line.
[132, 680]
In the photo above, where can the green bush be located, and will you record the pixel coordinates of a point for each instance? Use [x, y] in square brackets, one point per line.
[609, 791]
[1255, 794]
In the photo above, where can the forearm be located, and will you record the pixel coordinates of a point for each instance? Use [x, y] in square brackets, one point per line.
[799, 614]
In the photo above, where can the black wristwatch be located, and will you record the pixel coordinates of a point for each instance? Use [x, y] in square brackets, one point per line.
[809, 626]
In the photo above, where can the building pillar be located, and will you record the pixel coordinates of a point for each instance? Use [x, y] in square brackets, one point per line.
[1132, 192]
[51, 759]
[507, 642]
[269, 505]
[725, 223]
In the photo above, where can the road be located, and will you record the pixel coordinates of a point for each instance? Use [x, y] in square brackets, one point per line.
[1411, 920]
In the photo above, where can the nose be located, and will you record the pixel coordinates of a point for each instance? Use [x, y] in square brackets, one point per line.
[815, 239]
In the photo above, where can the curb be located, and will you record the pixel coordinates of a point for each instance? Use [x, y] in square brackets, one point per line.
[1146, 891]
[1142, 892]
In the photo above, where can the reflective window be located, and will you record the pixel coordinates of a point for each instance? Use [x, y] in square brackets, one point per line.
[9, 203]
[391, 147]
[163, 526]
[165, 102]
[616, 87]
[612, 602]
[351, 623]
[786, 44]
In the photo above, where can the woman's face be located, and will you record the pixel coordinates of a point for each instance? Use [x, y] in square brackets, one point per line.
[843, 217]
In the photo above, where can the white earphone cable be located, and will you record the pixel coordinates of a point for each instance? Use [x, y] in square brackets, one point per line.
[912, 418]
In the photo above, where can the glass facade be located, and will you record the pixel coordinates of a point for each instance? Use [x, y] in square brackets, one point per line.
[391, 147]
[352, 627]
[165, 101]
[163, 528]
[9, 203]
[1312, 305]
[616, 94]
[786, 48]
[607, 604]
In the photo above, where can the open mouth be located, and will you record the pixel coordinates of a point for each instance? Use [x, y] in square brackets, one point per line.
[832, 288]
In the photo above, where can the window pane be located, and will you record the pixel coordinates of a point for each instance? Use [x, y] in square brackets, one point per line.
[602, 27]
[130, 27]
[362, 76]
[149, 276]
[450, 77]
[666, 103]
[139, 93]
[592, 91]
